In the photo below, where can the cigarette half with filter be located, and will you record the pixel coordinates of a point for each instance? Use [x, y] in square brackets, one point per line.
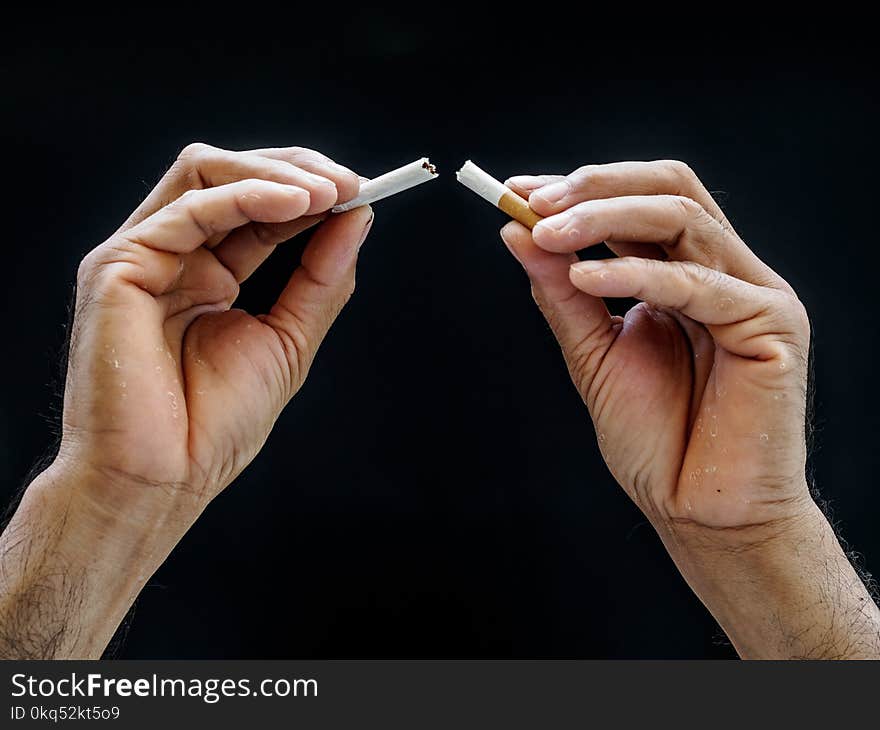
[391, 183]
[497, 193]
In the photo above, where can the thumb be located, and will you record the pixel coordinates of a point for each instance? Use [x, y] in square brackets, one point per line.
[580, 322]
[318, 289]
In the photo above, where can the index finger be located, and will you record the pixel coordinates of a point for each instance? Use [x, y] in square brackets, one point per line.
[347, 182]
[200, 166]
[197, 215]
[619, 179]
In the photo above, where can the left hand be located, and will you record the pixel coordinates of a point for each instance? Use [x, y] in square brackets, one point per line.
[698, 394]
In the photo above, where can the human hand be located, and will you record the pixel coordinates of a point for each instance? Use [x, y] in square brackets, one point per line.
[698, 396]
[170, 393]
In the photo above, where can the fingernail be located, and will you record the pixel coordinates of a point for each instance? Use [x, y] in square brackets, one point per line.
[367, 226]
[587, 267]
[555, 222]
[524, 182]
[554, 192]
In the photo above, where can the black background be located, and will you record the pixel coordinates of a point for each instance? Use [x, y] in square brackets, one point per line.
[435, 489]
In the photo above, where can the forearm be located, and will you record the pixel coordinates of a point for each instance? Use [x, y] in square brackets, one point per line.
[69, 572]
[786, 592]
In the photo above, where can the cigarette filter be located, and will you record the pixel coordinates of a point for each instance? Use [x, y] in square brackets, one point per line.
[391, 183]
[498, 194]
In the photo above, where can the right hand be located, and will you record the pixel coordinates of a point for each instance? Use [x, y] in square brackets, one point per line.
[170, 393]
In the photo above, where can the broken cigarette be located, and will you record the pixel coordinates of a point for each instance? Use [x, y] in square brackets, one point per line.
[497, 193]
[391, 183]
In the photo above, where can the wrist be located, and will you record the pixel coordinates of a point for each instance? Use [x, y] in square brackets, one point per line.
[780, 589]
[101, 532]
[748, 546]
[70, 572]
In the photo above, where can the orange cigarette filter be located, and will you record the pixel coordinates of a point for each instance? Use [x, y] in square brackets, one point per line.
[497, 193]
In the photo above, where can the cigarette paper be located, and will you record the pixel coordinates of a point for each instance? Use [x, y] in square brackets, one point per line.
[391, 183]
[497, 193]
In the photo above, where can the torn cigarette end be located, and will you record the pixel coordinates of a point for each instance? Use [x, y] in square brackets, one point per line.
[391, 183]
[497, 193]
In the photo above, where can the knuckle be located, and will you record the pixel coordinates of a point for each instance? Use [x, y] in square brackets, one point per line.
[712, 278]
[803, 317]
[699, 275]
[86, 268]
[188, 198]
[103, 280]
[681, 172]
[195, 151]
[191, 161]
[798, 316]
[586, 214]
[785, 316]
[689, 207]
[103, 268]
[304, 152]
[190, 205]
[100, 279]
[589, 176]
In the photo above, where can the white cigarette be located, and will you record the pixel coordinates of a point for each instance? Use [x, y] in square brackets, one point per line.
[497, 193]
[391, 183]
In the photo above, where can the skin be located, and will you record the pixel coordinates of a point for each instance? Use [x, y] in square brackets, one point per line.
[698, 397]
[170, 392]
